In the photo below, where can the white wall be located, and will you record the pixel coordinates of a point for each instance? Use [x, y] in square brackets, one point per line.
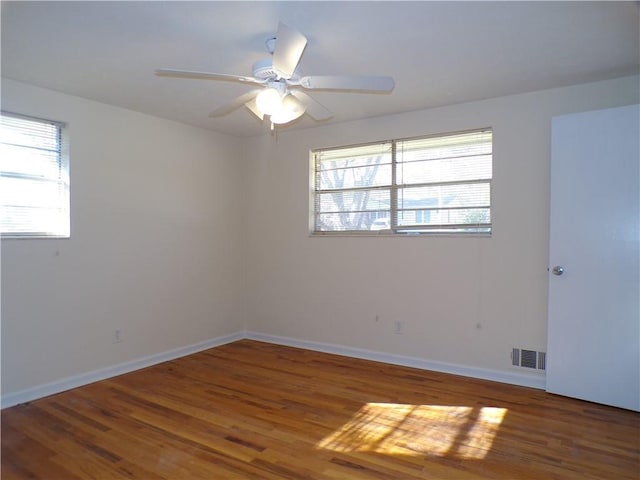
[466, 301]
[155, 248]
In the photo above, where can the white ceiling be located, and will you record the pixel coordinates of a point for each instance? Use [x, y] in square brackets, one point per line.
[439, 53]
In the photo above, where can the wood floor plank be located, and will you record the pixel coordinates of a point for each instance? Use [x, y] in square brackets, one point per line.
[252, 410]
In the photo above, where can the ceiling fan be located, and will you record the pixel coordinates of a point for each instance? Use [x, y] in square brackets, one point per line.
[281, 96]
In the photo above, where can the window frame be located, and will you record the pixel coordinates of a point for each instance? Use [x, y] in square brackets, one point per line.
[457, 230]
[62, 230]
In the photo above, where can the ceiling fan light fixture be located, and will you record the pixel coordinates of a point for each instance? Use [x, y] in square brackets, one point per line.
[292, 108]
[285, 117]
[282, 108]
[269, 101]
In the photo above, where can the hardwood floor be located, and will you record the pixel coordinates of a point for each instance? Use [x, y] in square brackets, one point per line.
[252, 410]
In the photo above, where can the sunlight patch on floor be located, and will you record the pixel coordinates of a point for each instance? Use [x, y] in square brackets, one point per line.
[404, 429]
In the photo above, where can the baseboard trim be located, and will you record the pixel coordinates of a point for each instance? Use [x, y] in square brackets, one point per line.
[532, 380]
[68, 383]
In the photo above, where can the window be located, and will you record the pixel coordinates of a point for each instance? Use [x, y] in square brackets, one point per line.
[34, 178]
[436, 184]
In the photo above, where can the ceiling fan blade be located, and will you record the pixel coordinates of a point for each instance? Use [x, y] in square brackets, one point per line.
[313, 108]
[253, 106]
[356, 82]
[169, 72]
[290, 44]
[235, 103]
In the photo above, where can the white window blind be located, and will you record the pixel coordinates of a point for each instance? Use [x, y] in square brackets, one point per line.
[437, 184]
[34, 178]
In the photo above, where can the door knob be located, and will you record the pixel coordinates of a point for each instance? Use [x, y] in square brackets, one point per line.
[557, 270]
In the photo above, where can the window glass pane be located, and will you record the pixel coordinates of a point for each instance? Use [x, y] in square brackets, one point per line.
[363, 166]
[444, 217]
[376, 174]
[27, 161]
[358, 155]
[29, 133]
[43, 222]
[348, 221]
[445, 146]
[450, 196]
[449, 158]
[354, 200]
[445, 170]
[351, 210]
[28, 192]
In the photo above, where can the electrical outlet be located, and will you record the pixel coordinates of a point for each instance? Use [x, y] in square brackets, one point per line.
[398, 327]
[117, 336]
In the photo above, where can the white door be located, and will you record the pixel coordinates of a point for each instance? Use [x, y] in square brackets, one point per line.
[593, 347]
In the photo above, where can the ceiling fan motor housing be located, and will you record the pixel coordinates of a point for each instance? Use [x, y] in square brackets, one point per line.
[263, 70]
